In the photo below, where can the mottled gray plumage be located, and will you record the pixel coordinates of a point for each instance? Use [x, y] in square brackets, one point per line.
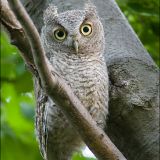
[82, 67]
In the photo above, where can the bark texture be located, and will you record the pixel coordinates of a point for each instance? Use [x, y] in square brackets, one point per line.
[133, 123]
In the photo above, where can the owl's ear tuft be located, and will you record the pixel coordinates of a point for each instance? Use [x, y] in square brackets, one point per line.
[50, 13]
[90, 9]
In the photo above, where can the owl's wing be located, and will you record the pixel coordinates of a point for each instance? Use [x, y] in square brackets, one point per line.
[41, 120]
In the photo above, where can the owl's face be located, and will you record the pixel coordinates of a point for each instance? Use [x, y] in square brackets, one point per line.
[74, 32]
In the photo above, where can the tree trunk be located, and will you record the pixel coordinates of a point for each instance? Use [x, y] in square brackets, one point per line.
[134, 80]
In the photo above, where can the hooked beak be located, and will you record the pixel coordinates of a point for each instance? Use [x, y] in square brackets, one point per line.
[75, 45]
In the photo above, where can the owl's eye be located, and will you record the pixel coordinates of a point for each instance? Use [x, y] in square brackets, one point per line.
[60, 34]
[86, 29]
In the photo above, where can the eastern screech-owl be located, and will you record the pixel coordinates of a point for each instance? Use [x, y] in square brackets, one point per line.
[74, 43]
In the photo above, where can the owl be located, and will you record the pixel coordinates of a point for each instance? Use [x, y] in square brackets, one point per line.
[74, 44]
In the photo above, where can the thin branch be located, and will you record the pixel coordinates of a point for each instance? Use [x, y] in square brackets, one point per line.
[17, 35]
[56, 88]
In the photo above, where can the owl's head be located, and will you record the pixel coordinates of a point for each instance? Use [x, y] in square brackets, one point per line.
[75, 31]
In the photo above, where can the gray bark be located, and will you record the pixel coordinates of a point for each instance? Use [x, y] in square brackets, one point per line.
[133, 123]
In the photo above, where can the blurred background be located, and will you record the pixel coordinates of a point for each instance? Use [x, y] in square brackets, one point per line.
[18, 139]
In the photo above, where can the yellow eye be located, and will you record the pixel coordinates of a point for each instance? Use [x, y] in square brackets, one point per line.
[60, 34]
[86, 29]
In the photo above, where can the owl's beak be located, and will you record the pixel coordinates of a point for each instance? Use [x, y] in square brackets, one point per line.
[75, 45]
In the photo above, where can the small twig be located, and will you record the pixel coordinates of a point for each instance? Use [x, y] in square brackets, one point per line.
[17, 35]
[56, 88]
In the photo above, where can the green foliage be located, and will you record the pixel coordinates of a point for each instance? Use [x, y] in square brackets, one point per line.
[143, 15]
[17, 98]
[17, 107]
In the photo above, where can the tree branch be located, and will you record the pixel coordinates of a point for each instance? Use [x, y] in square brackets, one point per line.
[57, 89]
[17, 35]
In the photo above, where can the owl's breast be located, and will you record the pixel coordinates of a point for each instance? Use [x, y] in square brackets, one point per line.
[89, 81]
